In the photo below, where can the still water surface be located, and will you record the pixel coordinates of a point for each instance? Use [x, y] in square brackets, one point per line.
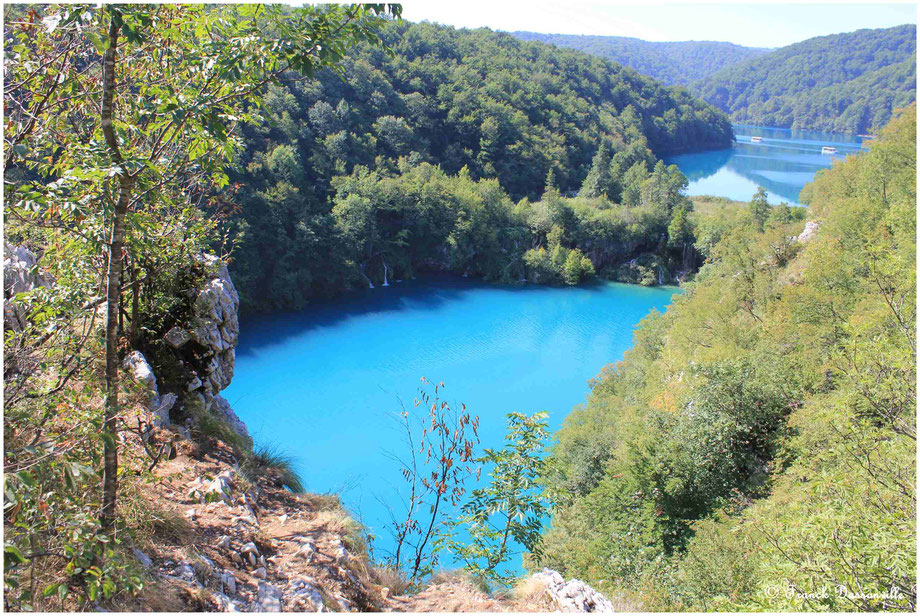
[325, 384]
[783, 162]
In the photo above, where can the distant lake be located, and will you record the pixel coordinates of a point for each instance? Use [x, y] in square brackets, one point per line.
[325, 384]
[782, 163]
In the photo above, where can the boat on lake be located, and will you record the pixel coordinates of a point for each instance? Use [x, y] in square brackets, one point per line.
[756, 139]
[828, 150]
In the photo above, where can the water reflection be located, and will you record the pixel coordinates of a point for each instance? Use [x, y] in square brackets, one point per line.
[781, 160]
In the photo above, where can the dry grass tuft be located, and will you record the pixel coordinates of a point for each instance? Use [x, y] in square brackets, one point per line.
[394, 580]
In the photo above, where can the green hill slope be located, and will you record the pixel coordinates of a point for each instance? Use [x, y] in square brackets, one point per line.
[478, 100]
[756, 450]
[844, 82]
[674, 63]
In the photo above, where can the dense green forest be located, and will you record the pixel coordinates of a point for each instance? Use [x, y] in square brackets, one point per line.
[756, 448]
[848, 83]
[479, 106]
[674, 63]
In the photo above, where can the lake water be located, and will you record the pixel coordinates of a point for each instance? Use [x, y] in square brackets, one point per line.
[782, 163]
[325, 384]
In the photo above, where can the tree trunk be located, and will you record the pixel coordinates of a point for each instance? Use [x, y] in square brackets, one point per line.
[113, 290]
[135, 301]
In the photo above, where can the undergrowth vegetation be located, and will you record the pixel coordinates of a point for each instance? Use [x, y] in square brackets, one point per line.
[756, 448]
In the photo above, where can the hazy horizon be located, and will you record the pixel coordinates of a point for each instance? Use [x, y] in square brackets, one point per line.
[749, 25]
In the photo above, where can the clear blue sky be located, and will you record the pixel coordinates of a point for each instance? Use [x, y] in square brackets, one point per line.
[755, 25]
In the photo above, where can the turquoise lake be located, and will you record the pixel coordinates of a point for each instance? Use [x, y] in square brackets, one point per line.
[325, 384]
[783, 162]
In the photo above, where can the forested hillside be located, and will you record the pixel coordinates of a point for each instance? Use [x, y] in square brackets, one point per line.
[501, 113]
[843, 82]
[756, 448]
[674, 63]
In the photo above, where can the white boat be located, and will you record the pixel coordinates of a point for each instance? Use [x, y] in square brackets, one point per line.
[756, 139]
[828, 150]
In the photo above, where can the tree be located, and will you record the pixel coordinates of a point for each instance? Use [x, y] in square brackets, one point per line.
[759, 208]
[511, 508]
[136, 116]
[598, 181]
[681, 234]
[440, 461]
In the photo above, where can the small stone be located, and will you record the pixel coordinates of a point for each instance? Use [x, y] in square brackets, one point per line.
[142, 558]
[269, 598]
[307, 596]
[260, 572]
[306, 552]
[228, 581]
[186, 571]
[224, 542]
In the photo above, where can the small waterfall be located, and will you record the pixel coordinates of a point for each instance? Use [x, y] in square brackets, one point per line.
[659, 275]
[385, 283]
[369, 283]
[523, 277]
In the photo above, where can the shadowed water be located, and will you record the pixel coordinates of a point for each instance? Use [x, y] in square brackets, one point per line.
[782, 163]
[325, 384]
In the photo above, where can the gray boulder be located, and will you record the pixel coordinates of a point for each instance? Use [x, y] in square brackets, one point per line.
[572, 596]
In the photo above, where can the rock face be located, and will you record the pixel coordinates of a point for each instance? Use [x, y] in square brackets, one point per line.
[214, 329]
[574, 595]
[19, 275]
[137, 365]
[222, 409]
[206, 345]
[811, 228]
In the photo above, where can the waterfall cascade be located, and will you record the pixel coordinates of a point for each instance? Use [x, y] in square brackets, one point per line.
[369, 283]
[659, 275]
[385, 283]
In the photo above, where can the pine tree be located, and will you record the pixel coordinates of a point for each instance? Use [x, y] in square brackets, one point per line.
[598, 181]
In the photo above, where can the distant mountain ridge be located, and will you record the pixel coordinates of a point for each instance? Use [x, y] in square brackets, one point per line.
[674, 63]
[847, 82]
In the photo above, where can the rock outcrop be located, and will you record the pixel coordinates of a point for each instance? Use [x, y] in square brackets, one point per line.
[811, 228]
[213, 331]
[221, 408]
[205, 347]
[572, 595]
[20, 274]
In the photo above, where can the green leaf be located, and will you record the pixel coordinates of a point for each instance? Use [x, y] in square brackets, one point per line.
[12, 556]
